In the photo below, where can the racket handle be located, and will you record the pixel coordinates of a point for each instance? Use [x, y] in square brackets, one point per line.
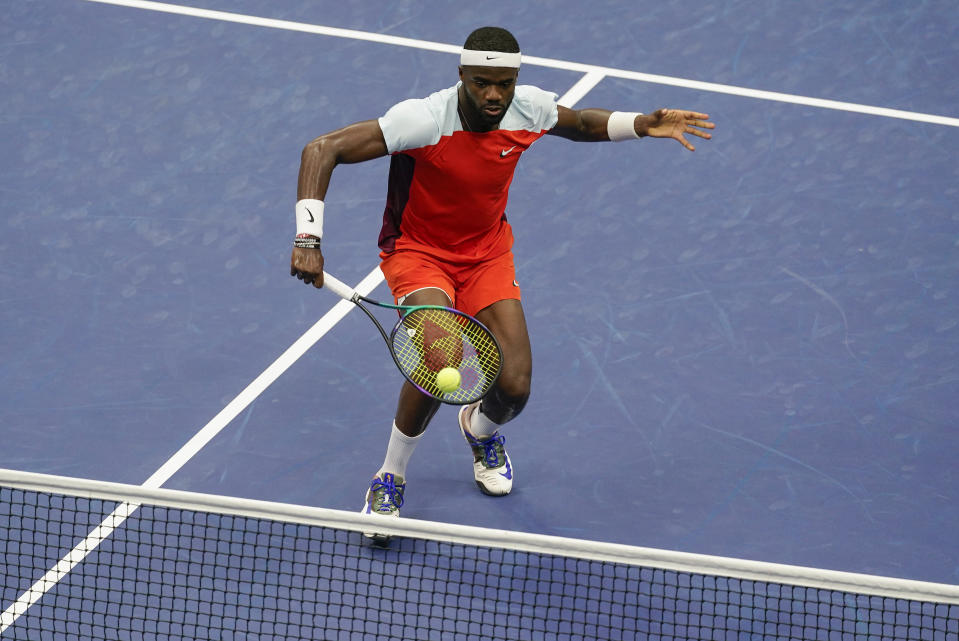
[339, 288]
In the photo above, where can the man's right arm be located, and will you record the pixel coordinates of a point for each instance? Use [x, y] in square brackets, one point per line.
[354, 143]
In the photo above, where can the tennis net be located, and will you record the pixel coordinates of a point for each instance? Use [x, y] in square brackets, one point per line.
[92, 560]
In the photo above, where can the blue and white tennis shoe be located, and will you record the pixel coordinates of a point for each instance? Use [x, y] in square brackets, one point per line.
[384, 498]
[491, 465]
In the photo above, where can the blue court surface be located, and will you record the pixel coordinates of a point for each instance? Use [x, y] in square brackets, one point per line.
[749, 351]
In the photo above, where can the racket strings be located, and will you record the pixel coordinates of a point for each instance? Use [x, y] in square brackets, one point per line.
[426, 341]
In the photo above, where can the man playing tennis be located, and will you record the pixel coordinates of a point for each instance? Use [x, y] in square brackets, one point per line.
[445, 238]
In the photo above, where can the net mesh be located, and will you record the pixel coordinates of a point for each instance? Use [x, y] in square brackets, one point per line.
[428, 340]
[174, 573]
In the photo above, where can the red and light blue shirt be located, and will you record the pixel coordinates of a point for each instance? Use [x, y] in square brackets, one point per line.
[448, 187]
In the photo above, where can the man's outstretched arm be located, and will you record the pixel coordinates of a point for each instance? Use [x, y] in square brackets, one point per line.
[594, 125]
[355, 143]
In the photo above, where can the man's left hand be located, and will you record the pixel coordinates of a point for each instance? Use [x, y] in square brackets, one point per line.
[675, 123]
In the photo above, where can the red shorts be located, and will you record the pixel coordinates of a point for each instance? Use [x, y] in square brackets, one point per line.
[471, 286]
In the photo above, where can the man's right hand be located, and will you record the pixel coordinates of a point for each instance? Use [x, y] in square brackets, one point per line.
[307, 265]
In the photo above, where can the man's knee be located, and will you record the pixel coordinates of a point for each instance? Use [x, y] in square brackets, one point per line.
[507, 398]
[514, 385]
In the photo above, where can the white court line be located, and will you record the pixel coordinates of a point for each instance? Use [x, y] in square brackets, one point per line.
[185, 453]
[263, 381]
[67, 563]
[713, 87]
[581, 88]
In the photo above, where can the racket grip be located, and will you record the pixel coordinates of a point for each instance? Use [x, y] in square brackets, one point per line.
[339, 288]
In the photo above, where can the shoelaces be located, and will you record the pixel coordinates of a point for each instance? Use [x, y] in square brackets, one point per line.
[491, 453]
[391, 492]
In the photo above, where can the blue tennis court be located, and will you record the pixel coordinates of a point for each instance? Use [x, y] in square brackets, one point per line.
[750, 351]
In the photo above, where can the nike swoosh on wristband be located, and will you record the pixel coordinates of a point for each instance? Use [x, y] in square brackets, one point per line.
[311, 215]
[506, 152]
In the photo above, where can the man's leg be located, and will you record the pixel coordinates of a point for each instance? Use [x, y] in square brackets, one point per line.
[480, 422]
[413, 413]
[508, 397]
[414, 410]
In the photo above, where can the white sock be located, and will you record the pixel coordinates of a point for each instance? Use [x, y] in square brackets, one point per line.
[398, 452]
[480, 426]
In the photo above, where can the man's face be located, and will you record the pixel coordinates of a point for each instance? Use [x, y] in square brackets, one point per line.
[489, 91]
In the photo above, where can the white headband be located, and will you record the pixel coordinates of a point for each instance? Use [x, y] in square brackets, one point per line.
[473, 58]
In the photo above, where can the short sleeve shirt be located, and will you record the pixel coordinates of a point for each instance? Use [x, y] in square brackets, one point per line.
[448, 187]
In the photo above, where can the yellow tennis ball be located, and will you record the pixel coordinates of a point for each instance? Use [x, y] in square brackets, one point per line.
[448, 379]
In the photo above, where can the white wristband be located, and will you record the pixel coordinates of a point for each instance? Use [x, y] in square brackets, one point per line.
[621, 126]
[309, 217]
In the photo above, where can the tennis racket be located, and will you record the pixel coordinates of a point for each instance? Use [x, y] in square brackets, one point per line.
[430, 338]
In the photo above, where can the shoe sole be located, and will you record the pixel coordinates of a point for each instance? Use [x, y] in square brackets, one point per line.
[488, 493]
[378, 540]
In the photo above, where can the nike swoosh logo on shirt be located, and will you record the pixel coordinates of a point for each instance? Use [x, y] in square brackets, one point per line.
[505, 152]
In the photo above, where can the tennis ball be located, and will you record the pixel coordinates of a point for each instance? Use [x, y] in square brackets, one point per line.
[448, 379]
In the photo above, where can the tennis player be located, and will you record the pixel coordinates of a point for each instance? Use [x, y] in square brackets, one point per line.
[445, 238]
